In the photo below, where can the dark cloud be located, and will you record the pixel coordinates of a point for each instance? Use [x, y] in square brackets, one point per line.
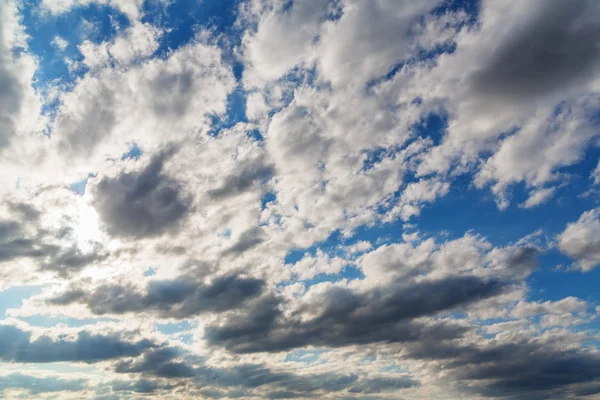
[144, 386]
[378, 385]
[522, 369]
[179, 298]
[25, 211]
[247, 175]
[67, 261]
[36, 385]
[14, 242]
[141, 204]
[246, 241]
[557, 47]
[344, 317]
[17, 346]
[160, 362]
[17, 242]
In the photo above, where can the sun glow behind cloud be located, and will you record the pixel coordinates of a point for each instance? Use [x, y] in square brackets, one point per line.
[299, 199]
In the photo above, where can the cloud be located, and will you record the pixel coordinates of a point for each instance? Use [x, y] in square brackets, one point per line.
[522, 368]
[151, 103]
[246, 175]
[143, 203]
[248, 183]
[16, 72]
[60, 43]
[580, 240]
[26, 236]
[552, 51]
[170, 363]
[341, 317]
[87, 347]
[178, 298]
[394, 310]
[537, 197]
[596, 174]
[144, 386]
[531, 110]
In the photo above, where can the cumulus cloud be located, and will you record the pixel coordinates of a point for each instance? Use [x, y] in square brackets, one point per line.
[508, 90]
[235, 208]
[392, 311]
[580, 240]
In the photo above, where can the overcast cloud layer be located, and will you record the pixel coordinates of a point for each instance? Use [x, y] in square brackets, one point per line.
[286, 199]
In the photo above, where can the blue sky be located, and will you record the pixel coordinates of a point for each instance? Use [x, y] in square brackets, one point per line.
[283, 199]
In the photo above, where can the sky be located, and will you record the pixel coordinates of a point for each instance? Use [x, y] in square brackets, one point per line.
[299, 199]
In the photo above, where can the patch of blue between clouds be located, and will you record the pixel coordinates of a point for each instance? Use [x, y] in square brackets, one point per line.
[305, 356]
[79, 187]
[173, 328]
[133, 153]
[394, 369]
[94, 22]
[13, 297]
[236, 112]
[182, 19]
[49, 322]
[267, 198]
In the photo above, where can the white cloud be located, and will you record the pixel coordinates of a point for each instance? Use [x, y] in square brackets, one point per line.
[340, 93]
[59, 43]
[131, 8]
[580, 240]
[537, 197]
[596, 174]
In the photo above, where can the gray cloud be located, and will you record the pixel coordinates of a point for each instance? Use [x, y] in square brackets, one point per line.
[249, 173]
[522, 369]
[141, 204]
[246, 241]
[17, 346]
[178, 298]
[144, 386]
[344, 317]
[17, 242]
[556, 48]
[173, 363]
[82, 133]
[11, 91]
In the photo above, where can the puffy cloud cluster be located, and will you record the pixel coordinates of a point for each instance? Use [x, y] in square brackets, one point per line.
[244, 214]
